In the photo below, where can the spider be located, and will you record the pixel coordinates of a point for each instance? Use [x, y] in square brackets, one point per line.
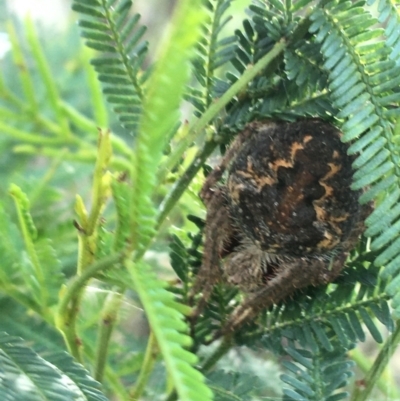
[284, 219]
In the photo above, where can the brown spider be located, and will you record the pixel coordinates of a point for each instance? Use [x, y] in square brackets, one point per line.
[286, 217]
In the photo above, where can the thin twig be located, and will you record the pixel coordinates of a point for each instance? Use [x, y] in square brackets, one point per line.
[146, 368]
[67, 308]
[107, 322]
[361, 393]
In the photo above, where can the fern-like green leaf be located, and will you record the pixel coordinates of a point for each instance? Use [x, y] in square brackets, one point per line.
[325, 321]
[212, 53]
[52, 269]
[232, 386]
[90, 389]
[109, 28]
[179, 258]
[160, 116]
[167, 323]
[17, 275]
[364, 83]
[388, 14]
[43, 269]
[290, 88]
[27, 376]
[317, 376]
[321, 336]
[10, 246]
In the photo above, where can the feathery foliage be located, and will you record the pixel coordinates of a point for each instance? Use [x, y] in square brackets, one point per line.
[163, 95]
[333, 59]
[364, 80]
[26, 375]
[166, 320]
[109, 28]
[161, 114]
[43, 270]
[212, 53]
[316, 375]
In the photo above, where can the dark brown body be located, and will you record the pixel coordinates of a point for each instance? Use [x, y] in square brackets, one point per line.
[286, 217]
[289, 188]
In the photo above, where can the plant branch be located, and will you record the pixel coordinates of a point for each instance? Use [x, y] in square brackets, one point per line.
[221, 350]
[147, 367]
[180, 186]
[199, 125]
[385, 384]
[34, 137]
[372, 377]
[114, 382]
[23, 70]
[67, 312]
[81, 156]
[108, 318]
[47, 78]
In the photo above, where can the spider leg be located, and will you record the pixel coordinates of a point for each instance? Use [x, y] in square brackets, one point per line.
[293, 276]
[215, 175]
[218, 229]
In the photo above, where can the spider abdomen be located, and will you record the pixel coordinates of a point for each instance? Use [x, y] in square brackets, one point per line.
[289, 188]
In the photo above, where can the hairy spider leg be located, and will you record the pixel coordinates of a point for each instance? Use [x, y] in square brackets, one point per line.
[293, 276]
[218, 223]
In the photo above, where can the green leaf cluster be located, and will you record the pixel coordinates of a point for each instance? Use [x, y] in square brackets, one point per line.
[97, 203]
[29, 376]
[109, 28]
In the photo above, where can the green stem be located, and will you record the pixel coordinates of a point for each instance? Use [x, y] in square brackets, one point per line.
[47, 78]
[112, 379]
[108, 318]
[74, 342]
[180, 186]
[114, 382]
[198, 126]
[224, 394]
[69, 303]
[24, 113]
[373, 375]
[77, 118]
[25, 110]
[146, 369]
[172, 198]
[23, 70]
[83, 156]
[34, 137]
[222, 349]
[385, 384]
